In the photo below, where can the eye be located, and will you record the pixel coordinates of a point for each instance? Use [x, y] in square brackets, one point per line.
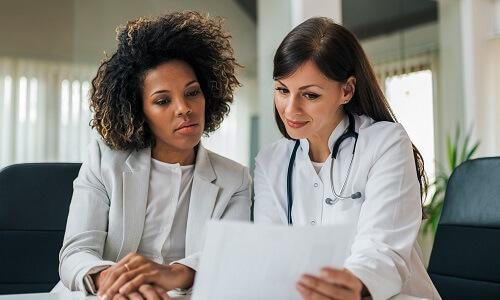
[162, 101]
[310, 96]
[193, 93]
[282, 90]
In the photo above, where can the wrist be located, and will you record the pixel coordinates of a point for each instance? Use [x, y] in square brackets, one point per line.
[97, 278]
[183, 276]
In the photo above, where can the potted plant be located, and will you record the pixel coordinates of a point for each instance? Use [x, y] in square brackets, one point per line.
[459, 149]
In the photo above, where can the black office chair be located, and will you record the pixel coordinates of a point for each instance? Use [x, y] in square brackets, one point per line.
[465, 259]
[34, 203]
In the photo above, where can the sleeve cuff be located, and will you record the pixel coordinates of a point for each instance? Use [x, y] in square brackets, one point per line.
[89, 283]
[85, 282]
[378, 290]
[191, 261]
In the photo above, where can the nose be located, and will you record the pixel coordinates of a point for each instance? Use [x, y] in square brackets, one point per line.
[182, 108]
[293, 106]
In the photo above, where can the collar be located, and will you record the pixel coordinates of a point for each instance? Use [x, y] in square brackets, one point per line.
[336, 133]
[140, 160]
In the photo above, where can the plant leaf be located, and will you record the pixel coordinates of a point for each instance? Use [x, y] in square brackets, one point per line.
[465, 146]
[472, 151]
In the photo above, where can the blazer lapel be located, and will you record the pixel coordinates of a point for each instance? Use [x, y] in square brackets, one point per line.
[135, 193]
[202, 202]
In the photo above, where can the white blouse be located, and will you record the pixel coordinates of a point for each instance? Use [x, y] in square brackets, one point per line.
[164, 235]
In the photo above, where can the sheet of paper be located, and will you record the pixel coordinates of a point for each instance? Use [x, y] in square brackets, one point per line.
[256, 261]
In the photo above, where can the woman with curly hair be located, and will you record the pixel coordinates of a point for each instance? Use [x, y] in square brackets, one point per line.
[136, 221]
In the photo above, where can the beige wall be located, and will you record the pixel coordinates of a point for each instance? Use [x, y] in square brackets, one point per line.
[81, 30]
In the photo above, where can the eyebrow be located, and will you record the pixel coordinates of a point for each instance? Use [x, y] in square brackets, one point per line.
[302, 87]
[167, 91]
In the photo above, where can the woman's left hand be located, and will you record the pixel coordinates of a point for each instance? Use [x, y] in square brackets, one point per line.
[135, 270]
[330, 284]
[145, 292]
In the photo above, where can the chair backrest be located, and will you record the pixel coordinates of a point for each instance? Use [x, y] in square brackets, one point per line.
[465, 259]
[34, 204]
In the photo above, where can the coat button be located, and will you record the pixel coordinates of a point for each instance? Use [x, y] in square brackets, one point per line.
[313, 222]
[329, 201]
[315, 184]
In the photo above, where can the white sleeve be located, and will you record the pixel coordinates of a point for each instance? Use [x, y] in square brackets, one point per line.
[389, 219]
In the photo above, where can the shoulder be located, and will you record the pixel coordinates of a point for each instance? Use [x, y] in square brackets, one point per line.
[102, 156]
[382, 136]
[225, 164]
[381, 129]
[280, 148]
[227, 170]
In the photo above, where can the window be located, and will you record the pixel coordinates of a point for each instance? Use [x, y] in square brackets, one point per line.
[410, 97]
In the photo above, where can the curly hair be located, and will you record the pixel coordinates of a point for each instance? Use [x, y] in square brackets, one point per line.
[143, 44]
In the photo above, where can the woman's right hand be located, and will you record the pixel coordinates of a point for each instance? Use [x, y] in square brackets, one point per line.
[135, 270]
[100, 277]
[144, 292]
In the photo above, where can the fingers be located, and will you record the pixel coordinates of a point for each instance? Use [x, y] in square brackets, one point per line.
[143, 278]
[111, 291]
[125, 270]
[148, 292]
[343, 278]
[111, 275]
[310, 294]
[119, 297]
[135, 296]
[162, 292]
[317, 288]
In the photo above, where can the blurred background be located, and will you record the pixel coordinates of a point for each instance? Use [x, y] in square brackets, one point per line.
[437, 61]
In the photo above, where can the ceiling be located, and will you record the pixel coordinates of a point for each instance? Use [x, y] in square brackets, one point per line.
[369, 18]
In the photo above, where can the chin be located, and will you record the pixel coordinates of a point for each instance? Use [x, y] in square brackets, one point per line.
[297, 134]
[189, 144]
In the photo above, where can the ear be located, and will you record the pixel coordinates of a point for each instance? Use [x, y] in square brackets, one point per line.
[349, 88]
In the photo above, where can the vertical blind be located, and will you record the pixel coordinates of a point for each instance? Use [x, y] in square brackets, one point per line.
[45, 116]
[44, 110]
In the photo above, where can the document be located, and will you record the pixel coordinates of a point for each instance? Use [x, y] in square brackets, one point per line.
[257, 261]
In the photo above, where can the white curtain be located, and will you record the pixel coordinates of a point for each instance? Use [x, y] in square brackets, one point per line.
[423, 61]
[44, 110]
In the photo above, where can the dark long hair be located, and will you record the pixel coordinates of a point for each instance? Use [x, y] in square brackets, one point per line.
[338, 55]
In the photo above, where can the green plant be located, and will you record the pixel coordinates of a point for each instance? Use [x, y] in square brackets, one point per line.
[458, 151]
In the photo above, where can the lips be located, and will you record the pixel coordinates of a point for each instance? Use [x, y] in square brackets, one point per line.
[296, 124]
[186, 127]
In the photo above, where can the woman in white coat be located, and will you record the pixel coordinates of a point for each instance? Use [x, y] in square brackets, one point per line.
[344, 160]
[141, 200]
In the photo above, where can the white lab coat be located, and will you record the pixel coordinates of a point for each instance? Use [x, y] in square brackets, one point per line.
[385, 220]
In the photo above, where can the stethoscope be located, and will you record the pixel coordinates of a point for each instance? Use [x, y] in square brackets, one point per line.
[350, 133]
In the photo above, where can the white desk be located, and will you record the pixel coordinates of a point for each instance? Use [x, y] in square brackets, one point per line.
[81, 296]
[60, 296]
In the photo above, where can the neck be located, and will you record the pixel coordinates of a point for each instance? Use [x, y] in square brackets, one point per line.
[171, 156]
[318, 149]
[318, 142]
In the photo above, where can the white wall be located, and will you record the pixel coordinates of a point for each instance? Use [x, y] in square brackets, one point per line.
[275, 19]
[81, 30]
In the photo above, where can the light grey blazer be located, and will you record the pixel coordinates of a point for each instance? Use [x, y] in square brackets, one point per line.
[108, 207]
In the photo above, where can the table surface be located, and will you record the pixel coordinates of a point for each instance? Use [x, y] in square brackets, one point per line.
[81, 296]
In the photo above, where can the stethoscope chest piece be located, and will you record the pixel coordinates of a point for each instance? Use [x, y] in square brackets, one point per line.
[331, 201]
